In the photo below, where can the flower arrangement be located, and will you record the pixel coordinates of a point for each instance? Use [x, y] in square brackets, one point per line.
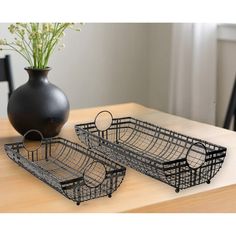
[35, 42]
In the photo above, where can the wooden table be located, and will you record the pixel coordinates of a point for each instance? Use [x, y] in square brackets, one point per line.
[22, 192]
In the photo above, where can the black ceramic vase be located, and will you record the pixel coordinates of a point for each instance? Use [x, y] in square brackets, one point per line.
[38, 104]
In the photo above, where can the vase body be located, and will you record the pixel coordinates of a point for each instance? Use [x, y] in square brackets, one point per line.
[39, 105]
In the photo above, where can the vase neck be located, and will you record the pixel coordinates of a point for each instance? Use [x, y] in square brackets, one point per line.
[38, 75]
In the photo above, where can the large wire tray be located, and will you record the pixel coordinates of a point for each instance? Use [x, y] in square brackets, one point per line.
[76, 172]
[168, 156]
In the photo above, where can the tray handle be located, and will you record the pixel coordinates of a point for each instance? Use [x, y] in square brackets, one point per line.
[32, 140]
[103, 120]
[94, 174]
[196, 155]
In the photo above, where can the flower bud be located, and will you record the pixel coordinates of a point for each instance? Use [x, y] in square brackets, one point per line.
[3, 42]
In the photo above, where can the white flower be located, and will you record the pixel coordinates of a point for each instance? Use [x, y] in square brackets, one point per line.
[39, 46]
[61, 46]
[18, 43]
[3, 42]
[12, 28]
[45, 27]
[36, 41]
[51, 27]
[32, 35]
[22, 32]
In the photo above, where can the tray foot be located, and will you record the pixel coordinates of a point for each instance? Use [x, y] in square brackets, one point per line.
[77, 203]
[208, 182]
[109, 195]
[177, 190]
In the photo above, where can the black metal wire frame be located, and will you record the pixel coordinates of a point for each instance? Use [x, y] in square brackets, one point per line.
[76, 172]
[5, 73]
[168, 156]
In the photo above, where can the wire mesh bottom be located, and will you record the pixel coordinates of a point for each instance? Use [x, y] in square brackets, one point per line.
[168, 156]
[76, 172]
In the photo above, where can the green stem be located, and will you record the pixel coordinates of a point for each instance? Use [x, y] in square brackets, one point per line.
[55, 38]
[33, 45]
[15, 49]
[33, 35]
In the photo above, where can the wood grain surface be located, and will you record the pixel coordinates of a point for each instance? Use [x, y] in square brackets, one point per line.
[22, 192]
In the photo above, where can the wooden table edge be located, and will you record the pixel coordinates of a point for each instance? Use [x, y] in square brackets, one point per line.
[220, 200]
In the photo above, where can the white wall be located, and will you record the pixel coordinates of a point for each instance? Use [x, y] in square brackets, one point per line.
[102, 64]
[116, 63]
[159, 65]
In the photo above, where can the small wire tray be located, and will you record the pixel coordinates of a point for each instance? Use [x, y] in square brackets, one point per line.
[168, 156]
[76, 172]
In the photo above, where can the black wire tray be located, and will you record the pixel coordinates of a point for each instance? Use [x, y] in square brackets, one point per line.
[76, 172]
[168, 156]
